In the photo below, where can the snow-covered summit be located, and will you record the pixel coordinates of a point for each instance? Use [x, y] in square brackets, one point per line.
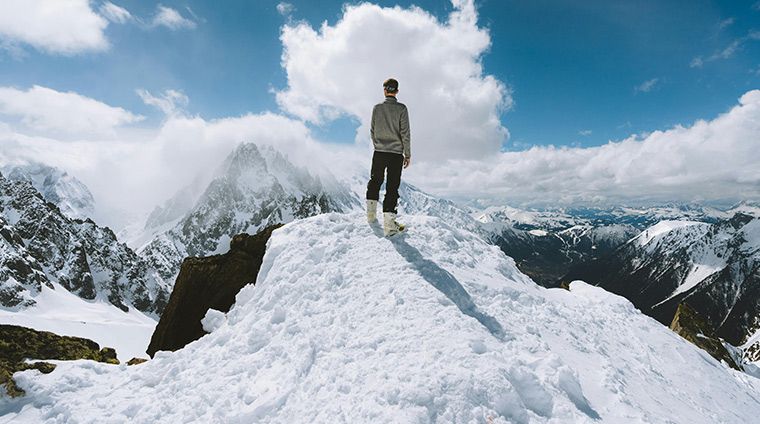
[345, 325]
[56, 186]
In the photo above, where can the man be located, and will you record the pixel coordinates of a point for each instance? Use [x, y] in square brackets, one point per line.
[390, 136]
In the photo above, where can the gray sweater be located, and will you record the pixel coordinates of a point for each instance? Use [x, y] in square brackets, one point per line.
[390, 127]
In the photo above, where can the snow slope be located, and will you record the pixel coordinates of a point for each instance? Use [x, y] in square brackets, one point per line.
[345, 325]
[65, 314]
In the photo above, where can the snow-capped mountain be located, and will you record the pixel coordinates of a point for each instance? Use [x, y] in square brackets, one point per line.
[547, 243]
[714, 267]
[254, 188]
[71, 196]
[41, 246]
[433, 326]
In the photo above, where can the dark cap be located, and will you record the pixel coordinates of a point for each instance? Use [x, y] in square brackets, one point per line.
[390, 85]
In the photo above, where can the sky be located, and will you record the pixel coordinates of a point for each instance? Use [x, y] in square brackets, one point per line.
[511, 102]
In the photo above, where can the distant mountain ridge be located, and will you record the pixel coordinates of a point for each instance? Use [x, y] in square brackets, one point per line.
[715, 267]
[548, 243]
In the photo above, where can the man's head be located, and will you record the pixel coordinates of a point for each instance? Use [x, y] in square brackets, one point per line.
[390, 87]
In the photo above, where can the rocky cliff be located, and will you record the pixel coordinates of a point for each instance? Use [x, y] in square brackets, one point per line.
[208, 283]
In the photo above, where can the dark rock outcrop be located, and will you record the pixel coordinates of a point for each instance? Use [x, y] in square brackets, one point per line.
[20, 343]
[693, 327]
[208, 283]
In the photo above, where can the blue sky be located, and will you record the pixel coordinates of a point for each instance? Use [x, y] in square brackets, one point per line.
[511, 101]
[572, 66]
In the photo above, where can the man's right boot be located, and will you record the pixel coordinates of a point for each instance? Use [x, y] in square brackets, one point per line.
[371, 210]
[390, 226]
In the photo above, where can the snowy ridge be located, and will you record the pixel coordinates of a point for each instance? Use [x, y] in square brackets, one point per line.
[345, 325]
[663, 228]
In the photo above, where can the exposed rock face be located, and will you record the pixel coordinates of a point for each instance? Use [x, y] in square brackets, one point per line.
[208, 283]
[40, 245]
[693, 327]
[20, 343]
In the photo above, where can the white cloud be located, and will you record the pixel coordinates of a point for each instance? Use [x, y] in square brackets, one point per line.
[647, 86]
[170, 18]
[115, 13]
[43, 109]
[53, 26]
[713, 160]
[285, 9]
[585, 132]
[697, 62]
[171, 102]
[454, 107]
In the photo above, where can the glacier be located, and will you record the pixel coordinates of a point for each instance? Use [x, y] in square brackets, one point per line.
[432, 326]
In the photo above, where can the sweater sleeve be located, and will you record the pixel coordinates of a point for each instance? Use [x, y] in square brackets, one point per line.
[372, 126]
[406, 138]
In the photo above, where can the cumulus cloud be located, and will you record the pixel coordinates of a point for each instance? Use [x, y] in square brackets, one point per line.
[710, 160]
[647, 86]
[115, 13]
[53, 26]
[170, 102]
[170, 18]
[44, 109]
[337, 71]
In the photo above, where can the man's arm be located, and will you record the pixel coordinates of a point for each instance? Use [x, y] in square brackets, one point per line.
[372, 125]
[405, 135]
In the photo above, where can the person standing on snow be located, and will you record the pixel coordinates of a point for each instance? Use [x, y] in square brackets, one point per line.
[391, 138]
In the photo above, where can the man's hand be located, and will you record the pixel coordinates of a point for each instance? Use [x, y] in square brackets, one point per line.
[406, 162]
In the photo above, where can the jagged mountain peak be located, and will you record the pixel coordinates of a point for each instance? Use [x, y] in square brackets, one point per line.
[255, 187]
[56, 186]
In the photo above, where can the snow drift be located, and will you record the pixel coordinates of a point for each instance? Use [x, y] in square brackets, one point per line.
[345, 325]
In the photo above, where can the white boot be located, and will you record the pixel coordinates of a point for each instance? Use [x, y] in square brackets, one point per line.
[371, 210]
[390, 226]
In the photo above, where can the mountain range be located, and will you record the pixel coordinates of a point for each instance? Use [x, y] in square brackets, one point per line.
[714, 267]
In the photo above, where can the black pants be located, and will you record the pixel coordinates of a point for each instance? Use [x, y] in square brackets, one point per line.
[381, 161]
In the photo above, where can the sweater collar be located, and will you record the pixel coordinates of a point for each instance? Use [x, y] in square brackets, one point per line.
[390, 99]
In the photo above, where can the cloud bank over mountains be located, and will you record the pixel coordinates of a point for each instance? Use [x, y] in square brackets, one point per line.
[714, 161]
[337, 71]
